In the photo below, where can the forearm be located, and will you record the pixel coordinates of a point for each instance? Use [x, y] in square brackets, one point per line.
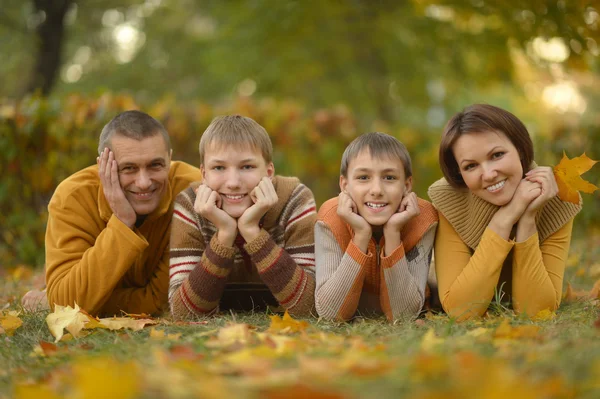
[467, 283]
[293, 286]
[538, 271]
[200, 290]
[404, 278]
[78, 272]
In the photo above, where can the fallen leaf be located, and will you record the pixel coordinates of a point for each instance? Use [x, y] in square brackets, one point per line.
[48, 348]
[572, 295]
[163, 335]
[105, 378]
[300, 391]
[568, 177]
[233, 334]
[10, 322]
[66, 317]
[117, 323]
[430, 341]
[286, 324]
[544, 315]
[506, 331]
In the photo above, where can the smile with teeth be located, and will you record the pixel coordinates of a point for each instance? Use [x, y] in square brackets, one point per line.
[234, 197]
[373, 205]
[496, 186]
[144, 195]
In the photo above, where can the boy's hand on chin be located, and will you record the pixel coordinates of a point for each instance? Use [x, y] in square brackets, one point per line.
[408, 209]
[264, 198]
[348, 211]
[208, 205]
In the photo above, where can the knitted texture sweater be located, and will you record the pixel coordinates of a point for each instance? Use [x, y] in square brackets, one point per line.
[280, 261]
[95, 260]
[472, 261]
[350, 281]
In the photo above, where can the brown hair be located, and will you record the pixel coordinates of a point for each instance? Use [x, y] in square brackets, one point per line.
[480, 118]
[379, 145]
[135, 125]
[236, 130]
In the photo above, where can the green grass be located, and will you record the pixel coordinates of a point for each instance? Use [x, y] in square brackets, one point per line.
[365, 358]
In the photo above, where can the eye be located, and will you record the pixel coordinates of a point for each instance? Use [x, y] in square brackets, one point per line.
[127, 169]
[248, 167]
[156, 165]
[390, 177]
[218, 168]
[469, 166]
[498, 154]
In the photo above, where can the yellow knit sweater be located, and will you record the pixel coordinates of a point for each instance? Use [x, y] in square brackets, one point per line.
[473, 263]
[94, 259]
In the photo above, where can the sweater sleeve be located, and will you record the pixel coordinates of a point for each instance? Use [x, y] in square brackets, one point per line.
[197, 274]
[149, 299]
[340, 275]
[86, 261]
[538, 271]
[289, 272]
[404, 278]
[466, 282]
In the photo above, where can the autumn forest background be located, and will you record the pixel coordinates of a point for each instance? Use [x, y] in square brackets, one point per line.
[316, 74]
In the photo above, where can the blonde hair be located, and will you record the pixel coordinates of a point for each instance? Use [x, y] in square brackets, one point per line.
[237, 131]
[380, 145]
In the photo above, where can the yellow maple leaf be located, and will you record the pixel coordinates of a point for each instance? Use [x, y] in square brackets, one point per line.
[544, 315]
[286, 324]
[117, 323]
[568, 177]
[66, 317]
[9, 323]
[506, 331]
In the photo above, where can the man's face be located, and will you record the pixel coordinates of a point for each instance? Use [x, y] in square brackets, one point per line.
[234, 173]
[377, 186]
[143, 167]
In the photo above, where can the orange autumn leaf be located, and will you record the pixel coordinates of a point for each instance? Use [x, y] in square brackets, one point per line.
[568, 177]
[286, 324]
[572, 295]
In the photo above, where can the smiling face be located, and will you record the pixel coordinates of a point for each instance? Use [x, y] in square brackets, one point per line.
[234, 173]
[143, 167]
[490, 165]
[376, 186]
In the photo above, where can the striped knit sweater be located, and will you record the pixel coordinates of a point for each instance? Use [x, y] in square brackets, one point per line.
[350, 281]
[279, 264]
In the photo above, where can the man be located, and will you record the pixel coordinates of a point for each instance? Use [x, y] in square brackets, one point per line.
[109, 224]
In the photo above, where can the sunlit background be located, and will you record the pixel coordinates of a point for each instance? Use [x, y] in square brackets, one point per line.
[314, 73]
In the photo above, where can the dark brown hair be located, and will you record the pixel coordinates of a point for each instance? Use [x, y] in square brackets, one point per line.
[481, 118]
[135, 125]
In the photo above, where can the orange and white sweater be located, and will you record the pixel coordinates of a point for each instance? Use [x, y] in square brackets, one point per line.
[350, 281]
[279, 263]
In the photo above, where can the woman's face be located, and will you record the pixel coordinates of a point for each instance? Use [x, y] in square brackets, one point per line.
[489, 164]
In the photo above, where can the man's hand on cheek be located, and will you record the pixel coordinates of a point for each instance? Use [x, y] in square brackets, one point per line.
[208, 205]
[264, 198]
[109, 177]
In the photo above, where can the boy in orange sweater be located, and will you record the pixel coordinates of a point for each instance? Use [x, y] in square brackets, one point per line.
[373, 243]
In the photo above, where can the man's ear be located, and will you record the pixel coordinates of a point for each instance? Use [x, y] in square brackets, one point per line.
[170, 155]
[270, 169]
[408, 185]
[343, 183]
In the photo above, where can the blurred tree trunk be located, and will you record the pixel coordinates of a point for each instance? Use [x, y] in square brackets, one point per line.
[50, 35]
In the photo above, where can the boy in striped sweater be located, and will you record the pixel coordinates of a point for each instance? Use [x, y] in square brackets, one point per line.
[373, 242]
[242, 239]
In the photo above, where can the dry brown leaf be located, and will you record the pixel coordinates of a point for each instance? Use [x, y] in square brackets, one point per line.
[117, 323]
[568, 177]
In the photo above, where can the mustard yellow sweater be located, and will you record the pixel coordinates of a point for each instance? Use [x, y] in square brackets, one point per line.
[92, 258]
[472, 262]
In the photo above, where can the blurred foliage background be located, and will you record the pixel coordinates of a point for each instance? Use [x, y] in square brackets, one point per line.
[315, 73]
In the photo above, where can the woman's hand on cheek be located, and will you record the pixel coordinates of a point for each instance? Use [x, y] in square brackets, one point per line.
[544, 177]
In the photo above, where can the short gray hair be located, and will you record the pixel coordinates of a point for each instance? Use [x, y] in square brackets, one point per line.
[380, 145]
[135, 125]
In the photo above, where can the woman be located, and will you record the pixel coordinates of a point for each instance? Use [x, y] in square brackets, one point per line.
[503, 232]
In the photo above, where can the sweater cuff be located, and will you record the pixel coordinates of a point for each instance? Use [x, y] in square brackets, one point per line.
[359, 256]
[394, 257]
[532, 241]
[222, 250]
[133, 237]
[258, 243]
[493, 237]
